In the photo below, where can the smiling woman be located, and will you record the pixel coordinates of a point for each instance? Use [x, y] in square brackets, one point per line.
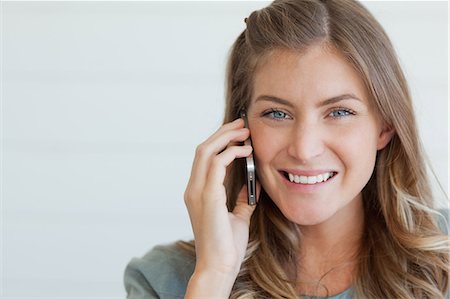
[345, 209]
[323, 98]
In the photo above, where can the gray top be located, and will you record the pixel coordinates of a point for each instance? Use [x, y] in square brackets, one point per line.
[164, 272]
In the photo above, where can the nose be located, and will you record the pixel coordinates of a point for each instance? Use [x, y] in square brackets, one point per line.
[307, 142]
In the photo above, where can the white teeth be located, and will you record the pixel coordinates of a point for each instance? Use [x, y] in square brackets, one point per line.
[319, 178]
[301, 179]
[312, 180]
[291, 177]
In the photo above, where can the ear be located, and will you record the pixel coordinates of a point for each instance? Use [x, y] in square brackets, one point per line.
[385, 136]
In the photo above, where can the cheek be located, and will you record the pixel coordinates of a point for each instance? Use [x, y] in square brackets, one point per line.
[356, 138]
[357, 148]
[266, 142]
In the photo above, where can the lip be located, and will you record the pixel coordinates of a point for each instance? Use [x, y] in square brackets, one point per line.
[306, 188]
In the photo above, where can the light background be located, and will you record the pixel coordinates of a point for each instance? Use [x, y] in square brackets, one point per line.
[103, 104]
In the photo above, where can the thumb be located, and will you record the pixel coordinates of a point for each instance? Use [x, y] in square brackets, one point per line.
[242, 209]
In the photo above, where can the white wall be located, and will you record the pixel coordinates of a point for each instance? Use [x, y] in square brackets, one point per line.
[103, 104]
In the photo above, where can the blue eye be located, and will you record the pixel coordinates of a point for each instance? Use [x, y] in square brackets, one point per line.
[340, 113]
[276, 114]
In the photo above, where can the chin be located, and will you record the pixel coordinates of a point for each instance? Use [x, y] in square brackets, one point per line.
[307, 220]
[306, 215]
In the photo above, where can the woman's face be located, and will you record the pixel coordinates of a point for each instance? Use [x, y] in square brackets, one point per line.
[315, 134]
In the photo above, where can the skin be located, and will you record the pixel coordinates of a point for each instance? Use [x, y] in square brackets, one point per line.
[221, 237]
[301, 135]
[305, 133]
[343, 136]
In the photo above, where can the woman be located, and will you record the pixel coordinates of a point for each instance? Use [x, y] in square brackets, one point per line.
[345, 209]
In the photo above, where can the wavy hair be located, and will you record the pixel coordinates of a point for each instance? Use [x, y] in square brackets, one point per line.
[404, 253]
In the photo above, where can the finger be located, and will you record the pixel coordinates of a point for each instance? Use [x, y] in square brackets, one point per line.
[233, 143]
[244, 199]
[218, 143]
[236, 124]
[217, 171]
[211, 144]
[207, 150]
[232, 126]
[242, 209]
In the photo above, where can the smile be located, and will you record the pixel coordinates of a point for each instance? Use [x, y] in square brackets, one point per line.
[309, 180]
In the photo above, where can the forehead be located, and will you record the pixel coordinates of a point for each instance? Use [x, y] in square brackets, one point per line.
[316, 74]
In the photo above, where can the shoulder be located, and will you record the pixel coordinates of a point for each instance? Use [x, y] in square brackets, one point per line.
[163, 272]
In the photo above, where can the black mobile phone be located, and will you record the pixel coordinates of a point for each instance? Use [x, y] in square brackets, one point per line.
[250, 168]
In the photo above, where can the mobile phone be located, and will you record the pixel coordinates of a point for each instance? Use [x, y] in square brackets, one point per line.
[250, 168]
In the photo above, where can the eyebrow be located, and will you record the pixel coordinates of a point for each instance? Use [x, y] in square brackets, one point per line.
[346, 96]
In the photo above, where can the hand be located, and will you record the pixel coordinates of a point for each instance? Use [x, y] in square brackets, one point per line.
[221, 237]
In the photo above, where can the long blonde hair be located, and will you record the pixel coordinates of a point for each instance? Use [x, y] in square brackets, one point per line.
[404, 254]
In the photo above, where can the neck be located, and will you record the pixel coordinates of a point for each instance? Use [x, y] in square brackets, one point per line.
[329, 251]
[343, 229]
